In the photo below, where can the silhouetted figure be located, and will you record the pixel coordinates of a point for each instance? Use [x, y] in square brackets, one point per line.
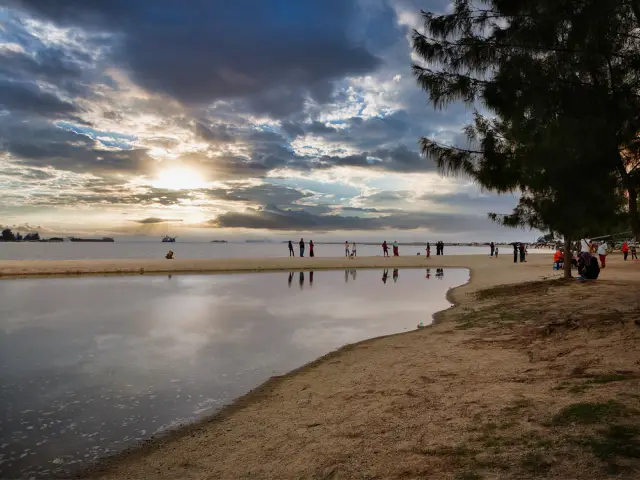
[395, 275]
[522, 252]
[493, 248]
[291, 252]
[385, 276]
[311, 245]
[515, 252]
[310, 279]
[301, 247]
[385, 249]
[428, 250]
[169, 255]
[290, 277]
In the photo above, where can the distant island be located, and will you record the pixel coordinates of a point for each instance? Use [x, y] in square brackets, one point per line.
[219, 241]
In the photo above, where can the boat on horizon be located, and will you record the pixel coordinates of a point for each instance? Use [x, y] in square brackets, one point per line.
[103, 239]
[168, 239]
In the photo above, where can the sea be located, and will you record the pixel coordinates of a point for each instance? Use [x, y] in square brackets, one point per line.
[139, 249]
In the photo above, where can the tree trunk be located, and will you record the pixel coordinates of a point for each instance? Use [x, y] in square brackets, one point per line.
[634, 216]
[567, 256]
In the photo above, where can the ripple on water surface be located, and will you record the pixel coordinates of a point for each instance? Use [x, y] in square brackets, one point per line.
[93, 365]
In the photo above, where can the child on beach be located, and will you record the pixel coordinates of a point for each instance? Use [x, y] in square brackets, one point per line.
[634, 255]
[428, 250]
[496, 254]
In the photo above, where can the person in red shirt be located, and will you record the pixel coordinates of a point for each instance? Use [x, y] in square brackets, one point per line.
[625, 249]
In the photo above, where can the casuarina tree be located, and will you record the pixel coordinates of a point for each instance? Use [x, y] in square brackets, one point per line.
[558, 80]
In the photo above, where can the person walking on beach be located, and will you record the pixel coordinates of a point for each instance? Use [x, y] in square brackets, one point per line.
[515, 252]
[385, 249]
[493, 248]
[625, 250]
[522, 252]
[396, 252]
[602, 253]
[634, 254]
[311, 245]
[301, 247]
[428, 250]
[291, 252]
[353, 249]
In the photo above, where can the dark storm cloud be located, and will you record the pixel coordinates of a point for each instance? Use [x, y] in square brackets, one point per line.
[395, 159]
[274, 218]
[41, 144]
[113, 194]
[29, 98]
[213, 133]
[155, 220]
[271, 54]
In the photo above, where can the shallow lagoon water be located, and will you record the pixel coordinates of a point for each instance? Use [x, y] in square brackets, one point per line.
[89, 366]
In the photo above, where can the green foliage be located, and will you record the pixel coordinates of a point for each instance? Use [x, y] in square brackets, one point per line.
[562, 81]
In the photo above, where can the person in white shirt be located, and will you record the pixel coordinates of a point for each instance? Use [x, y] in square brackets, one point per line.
[353, 249]
[346, 248]
[602, 253]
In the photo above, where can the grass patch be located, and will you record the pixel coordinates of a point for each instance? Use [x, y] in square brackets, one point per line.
[535, 462]
[601, 379]
[617, 441]
[468, 476]
[590, 413]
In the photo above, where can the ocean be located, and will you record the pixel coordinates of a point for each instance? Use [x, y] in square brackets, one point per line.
[146, 249]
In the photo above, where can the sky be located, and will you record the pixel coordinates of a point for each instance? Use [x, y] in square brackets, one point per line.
[216, 119]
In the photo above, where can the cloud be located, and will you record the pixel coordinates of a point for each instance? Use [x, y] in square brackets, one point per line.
[280, 53]
[28, 97]
[155, 220]
[274, 218]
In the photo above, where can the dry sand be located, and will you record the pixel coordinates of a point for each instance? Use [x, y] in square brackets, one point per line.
[532, 380]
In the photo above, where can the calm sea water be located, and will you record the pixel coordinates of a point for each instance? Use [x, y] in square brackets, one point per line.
[132, 249]
[89, 366]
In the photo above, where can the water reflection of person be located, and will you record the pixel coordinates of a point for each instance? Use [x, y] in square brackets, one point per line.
[385, 275]
[290, 278]
[346, 276]
[395, 275]
[428, 273]
[301, 280]
[353, 273]
[439, 273]
[310, 279]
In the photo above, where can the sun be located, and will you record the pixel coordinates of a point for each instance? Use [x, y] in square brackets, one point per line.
[179, 178]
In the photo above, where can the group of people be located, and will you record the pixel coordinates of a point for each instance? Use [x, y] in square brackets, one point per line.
[626, 249]
[494, 250]
[353, 252]
[520, 250]
[385, 249]
[292, 253]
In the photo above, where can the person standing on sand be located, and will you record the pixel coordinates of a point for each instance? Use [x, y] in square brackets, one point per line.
[496, 251]
[625, 250]
[353, 249]
[301, 247]
[291, 252]
[602, 253]
[396, 251]
[521, 248]
[441, 248]
[346, 248]
[515, 252]
[311, 254]
[385, 249]
[428, 250]
[634, 254]
[493, 249]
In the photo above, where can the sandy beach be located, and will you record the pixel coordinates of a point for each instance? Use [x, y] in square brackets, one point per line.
[529, 376]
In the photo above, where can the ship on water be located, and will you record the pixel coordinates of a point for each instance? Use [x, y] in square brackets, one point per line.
[168, 239]
[103, 239]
